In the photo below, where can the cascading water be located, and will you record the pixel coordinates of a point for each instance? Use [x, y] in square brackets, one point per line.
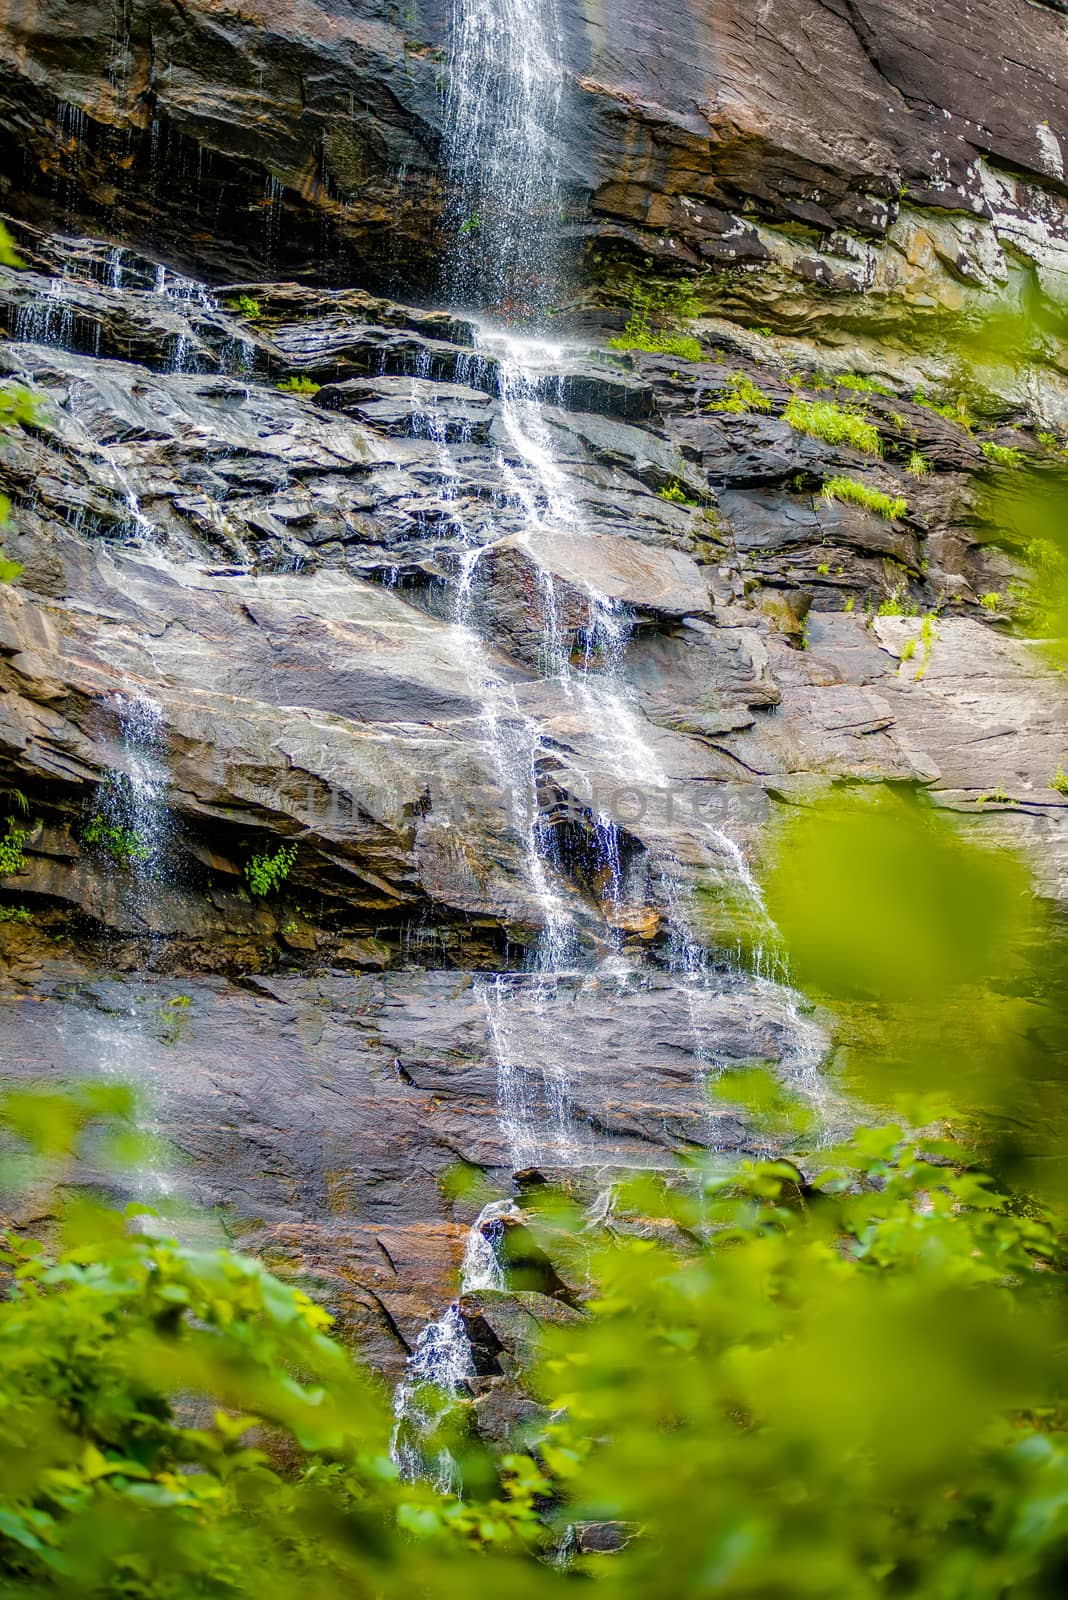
[442, 1364]
[502, 113]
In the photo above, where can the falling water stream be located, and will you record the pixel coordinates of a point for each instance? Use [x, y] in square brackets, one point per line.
[503, 109]
[505, 112]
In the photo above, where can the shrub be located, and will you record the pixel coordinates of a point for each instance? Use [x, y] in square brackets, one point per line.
[13, 848]
[299, 385]
[265, 873]
[744, 396]
[1002, 455]
[855, 493]
[823, 419]
[123, 845]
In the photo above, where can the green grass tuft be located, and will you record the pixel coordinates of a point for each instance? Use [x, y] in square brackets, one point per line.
[822, 419]
[1059, 781]
[854, 493]
[636, 337]
[744, 396]
[858, 382]
[299, 386]
[1002, 455]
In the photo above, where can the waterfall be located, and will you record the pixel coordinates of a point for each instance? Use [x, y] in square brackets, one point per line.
[502, 111]
[442, 1365]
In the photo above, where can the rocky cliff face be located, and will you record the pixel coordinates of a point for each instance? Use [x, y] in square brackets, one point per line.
[816, 153]
[522, 646]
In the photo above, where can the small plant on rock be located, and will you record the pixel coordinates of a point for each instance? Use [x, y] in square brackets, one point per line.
[852, 492]
[991, 601]
[246, 307]
[299, 385]
[13, 848]
[124, 846]
[676, 494]
[1002, 455]
[1059, 781]
[656, 311]
[14, 914]
[898, 603]
[742, 397]
[863, 385]
[917, 464]
[823, 419]
[266, 873]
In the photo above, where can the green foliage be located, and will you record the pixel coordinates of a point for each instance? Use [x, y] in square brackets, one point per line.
[743, 396]
[657, 314]
[14, 914]
[862, 384]
[1059, 781]
[299, 385]
[246, 306]
[862, 494]
[676, 494]
[990, 601]
[266, 873]
[917, 464]
[898, 603]
[823, 419]
[908, 650]
[13, 848]
[1002, 455]
[125, 846]
[9, 256]
[845, 1387]
[18, 407]
[958, 410]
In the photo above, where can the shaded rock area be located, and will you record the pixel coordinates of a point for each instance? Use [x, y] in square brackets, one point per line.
[244, 519]
[315, 1116]
[826, 159]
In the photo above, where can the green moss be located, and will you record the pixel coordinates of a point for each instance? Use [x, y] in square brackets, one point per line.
[299, 386]
[1002, 455]
[743, 396]
[855, 493]
[823, 419]
[14, 914]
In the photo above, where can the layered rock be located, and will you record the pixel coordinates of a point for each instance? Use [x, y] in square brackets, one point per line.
[841, 157]
[276, 572]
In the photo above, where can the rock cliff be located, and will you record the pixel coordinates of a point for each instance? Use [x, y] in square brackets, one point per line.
[521, 645]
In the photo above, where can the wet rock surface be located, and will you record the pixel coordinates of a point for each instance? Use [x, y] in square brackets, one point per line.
[337, 618]
[244, 137]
